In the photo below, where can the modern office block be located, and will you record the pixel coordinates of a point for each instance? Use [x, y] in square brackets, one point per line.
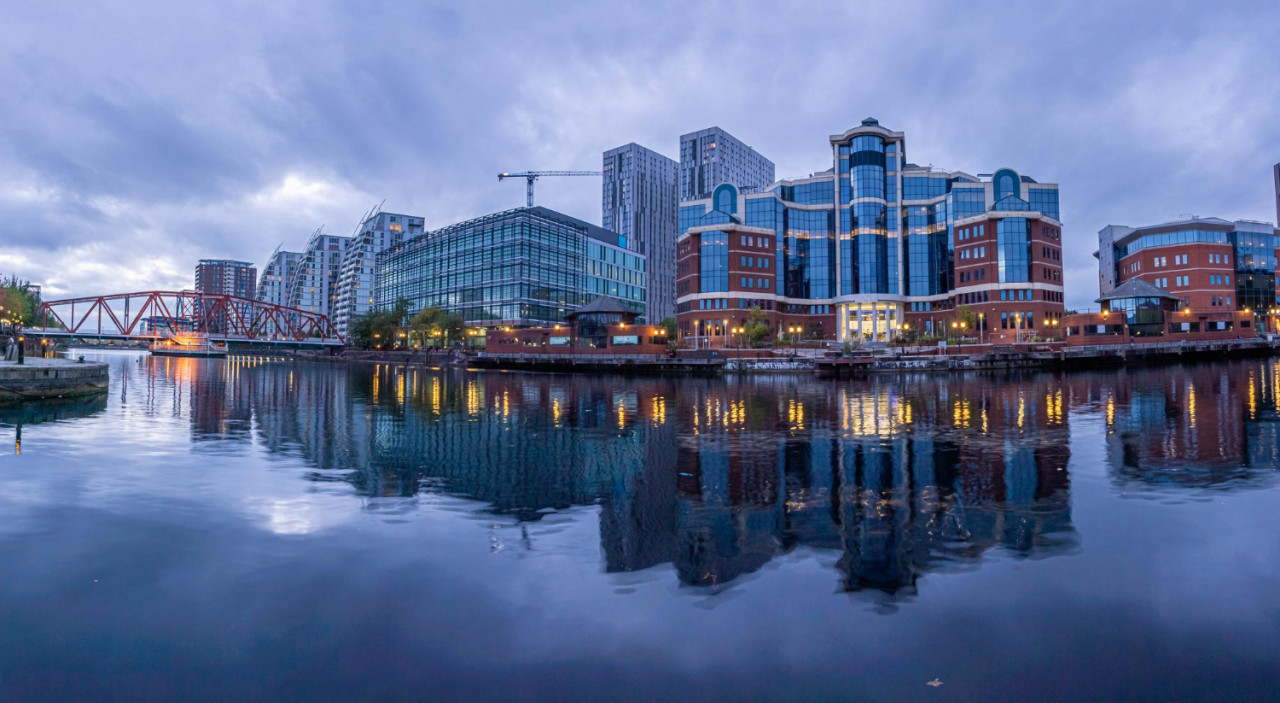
[712, 156]
[522, 267]
[639, 202]
[873, 248]
[1206, 263]
[378, 232]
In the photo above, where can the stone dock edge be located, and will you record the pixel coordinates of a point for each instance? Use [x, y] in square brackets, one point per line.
[51, 378]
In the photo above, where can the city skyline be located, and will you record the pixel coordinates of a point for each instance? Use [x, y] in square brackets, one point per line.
[132, 173]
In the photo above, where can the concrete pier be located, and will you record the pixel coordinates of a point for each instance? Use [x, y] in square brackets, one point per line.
[50, 378]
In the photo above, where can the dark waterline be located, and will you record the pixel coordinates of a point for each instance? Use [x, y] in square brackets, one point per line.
[266, 530]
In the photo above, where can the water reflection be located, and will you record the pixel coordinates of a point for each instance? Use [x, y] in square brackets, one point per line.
[1207, 427]
[894, 478]
[34, 412]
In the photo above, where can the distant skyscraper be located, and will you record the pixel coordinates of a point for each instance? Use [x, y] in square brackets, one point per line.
[226, 277]
[315, 286]
[1276, 170]
[639, 202]
[273, 284]
[379, 231]
[713, 156]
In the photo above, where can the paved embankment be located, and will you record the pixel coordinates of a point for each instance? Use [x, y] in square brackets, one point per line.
[51, 378]
[1063, 358]
[596, 363]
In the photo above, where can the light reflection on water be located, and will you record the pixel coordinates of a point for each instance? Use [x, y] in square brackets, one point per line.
[886, 484]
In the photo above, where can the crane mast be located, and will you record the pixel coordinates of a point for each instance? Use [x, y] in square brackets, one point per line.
[531, 176]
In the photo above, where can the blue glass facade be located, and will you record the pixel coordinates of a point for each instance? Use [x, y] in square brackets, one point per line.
[528, 266]
[874, 237]
[1013, 241]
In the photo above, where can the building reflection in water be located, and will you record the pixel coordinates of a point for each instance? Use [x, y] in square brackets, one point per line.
[1207, 426]
[897, 476]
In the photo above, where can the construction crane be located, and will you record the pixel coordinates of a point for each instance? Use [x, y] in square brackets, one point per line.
[531, 176]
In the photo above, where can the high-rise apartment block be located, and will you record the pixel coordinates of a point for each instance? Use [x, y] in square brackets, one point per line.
[639, 202]
[872, 249]
[712, 156]
[273, 284]
[315, 286]
[226, 277]
[378, 232]
[1275, 172]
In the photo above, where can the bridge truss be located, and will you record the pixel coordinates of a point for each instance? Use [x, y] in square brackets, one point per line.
[155, 314]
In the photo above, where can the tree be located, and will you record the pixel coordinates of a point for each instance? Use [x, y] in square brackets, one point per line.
[18, 304]
[669, 324]
[432, 323]
[757, 327]
[378, 329]
[966, 315]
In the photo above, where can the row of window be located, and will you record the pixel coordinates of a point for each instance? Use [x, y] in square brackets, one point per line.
[753, 262]
[751, 282]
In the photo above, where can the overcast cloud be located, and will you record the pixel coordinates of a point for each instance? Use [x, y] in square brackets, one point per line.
[137, 137]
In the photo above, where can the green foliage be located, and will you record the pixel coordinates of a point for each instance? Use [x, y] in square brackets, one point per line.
[669, 324]
[17, 303]
[436, 327]
[968, 317]
[757, 327]
[378, 329]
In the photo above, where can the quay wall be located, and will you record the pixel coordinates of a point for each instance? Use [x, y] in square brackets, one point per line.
[51, 378]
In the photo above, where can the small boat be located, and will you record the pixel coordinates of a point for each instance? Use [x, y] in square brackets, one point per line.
[188, 344]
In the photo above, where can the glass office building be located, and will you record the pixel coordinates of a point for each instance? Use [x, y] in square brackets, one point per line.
[870, 247]
[522, 267]
[639, 203]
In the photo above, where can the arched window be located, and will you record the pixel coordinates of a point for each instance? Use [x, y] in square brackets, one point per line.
[1006, 184]
[725, 199]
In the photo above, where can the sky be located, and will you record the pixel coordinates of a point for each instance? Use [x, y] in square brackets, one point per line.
[139, 137]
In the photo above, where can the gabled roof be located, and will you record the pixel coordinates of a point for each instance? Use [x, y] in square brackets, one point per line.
[603, 304]
[1137, 288]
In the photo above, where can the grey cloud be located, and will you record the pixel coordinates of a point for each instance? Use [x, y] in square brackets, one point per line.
[162, 126]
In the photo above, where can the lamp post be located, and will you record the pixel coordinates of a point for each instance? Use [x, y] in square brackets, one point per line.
[982, 328]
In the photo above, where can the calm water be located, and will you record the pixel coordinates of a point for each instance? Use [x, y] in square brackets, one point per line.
[266, 530]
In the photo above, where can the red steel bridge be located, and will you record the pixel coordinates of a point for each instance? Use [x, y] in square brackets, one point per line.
[152, 315]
